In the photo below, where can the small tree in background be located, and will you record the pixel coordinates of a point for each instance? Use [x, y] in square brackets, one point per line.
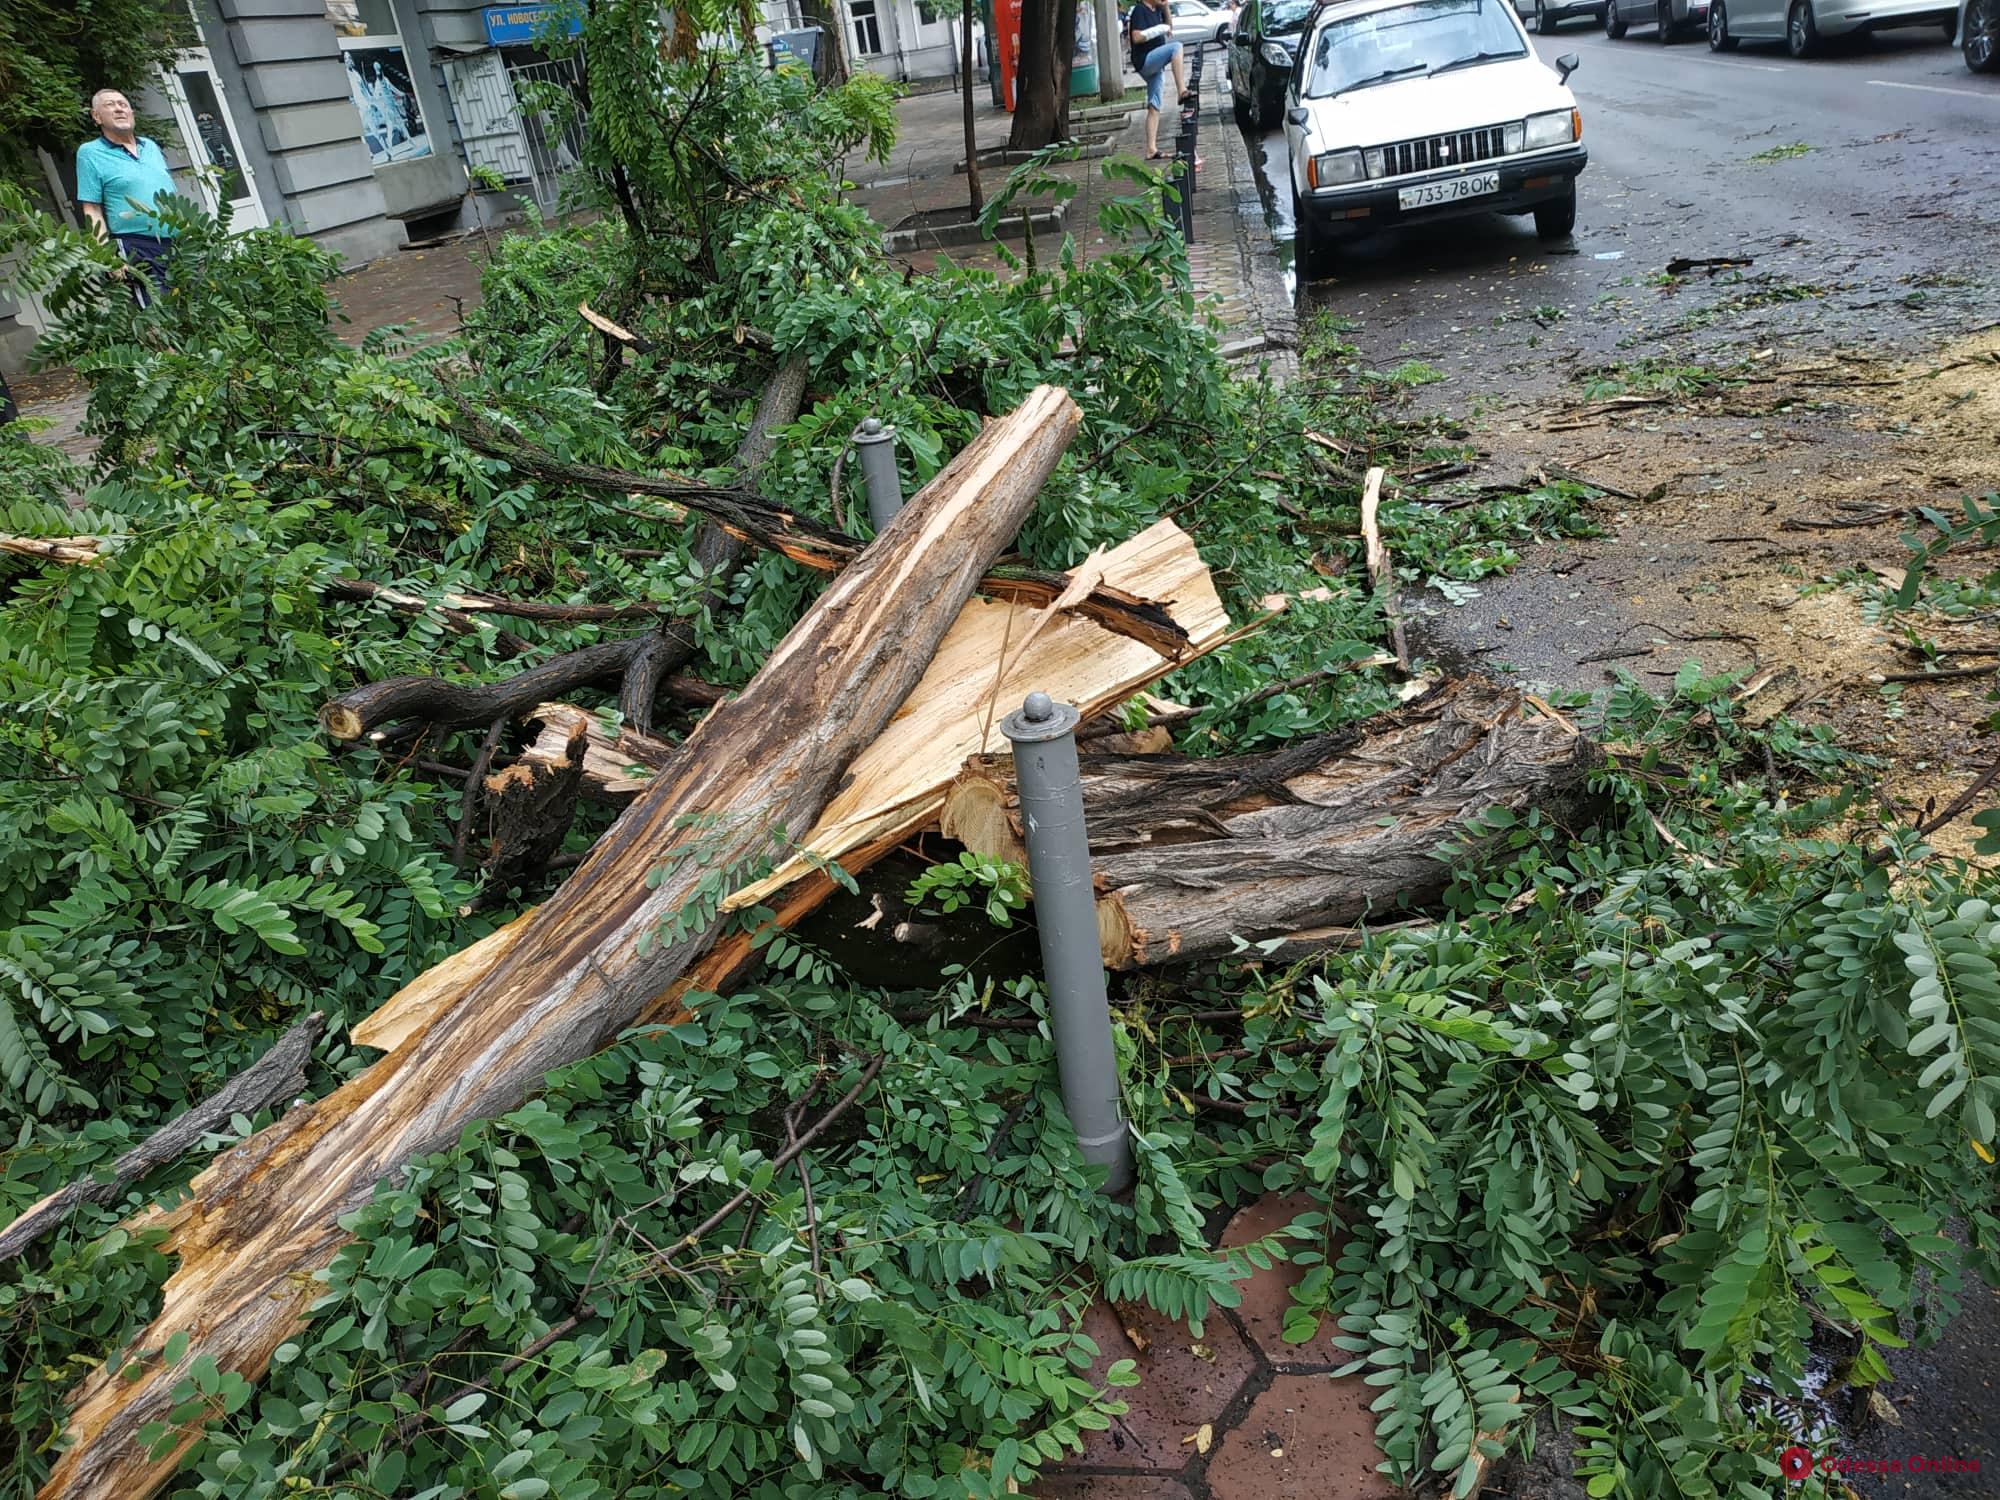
[971, 137]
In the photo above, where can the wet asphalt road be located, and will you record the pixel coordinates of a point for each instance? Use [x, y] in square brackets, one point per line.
[1883, 237]
[1899, 193]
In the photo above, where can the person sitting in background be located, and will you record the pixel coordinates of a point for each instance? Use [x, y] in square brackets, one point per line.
[119, 176]
[1154, 50]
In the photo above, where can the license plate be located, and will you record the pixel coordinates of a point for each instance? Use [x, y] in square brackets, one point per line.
[1425, 194]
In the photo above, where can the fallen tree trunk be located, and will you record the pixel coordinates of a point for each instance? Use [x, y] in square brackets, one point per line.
[896, 787]
[1188, 854]
[577, 971]
[278, 1074]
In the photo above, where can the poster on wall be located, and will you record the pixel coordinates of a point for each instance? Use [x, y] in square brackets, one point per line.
[392, 126]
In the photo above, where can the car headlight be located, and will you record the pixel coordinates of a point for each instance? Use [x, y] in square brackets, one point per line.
[1276, 56]
[1335, 168]
[1558, 127]
[1371, 162]
[1515, 133]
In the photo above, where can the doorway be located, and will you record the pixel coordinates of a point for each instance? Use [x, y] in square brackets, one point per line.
[219, 171]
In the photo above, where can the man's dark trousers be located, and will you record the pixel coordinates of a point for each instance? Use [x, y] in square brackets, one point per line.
[149, 252]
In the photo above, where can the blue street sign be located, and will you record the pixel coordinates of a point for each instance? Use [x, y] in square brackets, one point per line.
[511, 25]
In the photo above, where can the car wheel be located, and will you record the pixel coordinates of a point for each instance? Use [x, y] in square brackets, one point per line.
[1545, 24]
[1555, 221]
[1801, 33]
[1664, 19]
[1719, 39]
[1310, 250]
[1614, 24]
[1981, 41]
[1244, 113]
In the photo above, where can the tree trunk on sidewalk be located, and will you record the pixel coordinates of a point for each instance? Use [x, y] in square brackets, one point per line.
[1111, 49]
[828, 15]
[1041, 83]
[1189, 853]
[759, 770]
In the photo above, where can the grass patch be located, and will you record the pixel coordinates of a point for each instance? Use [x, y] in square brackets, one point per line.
[1783, 153]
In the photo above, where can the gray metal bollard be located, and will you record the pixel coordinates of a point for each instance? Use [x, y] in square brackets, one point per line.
[877, 446]
[1045, 770]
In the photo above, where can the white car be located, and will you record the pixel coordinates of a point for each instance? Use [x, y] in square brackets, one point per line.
[1196, 24]
[1405, 111]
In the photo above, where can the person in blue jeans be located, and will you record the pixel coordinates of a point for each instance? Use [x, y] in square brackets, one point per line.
[1154, 50]
[119, 176]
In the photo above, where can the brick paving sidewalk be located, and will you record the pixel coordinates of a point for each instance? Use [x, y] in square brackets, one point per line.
[425, 291]
[1237, 1414]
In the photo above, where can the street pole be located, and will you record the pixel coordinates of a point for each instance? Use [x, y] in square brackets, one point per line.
[1043, 734]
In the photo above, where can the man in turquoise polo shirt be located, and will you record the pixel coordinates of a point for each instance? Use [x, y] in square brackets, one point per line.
[118, 178]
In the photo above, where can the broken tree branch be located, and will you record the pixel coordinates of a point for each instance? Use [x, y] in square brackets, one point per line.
[77, 551]
[1296, 844]
[665, 651]
[1382, 572]
[746, 517]
[277, 1075]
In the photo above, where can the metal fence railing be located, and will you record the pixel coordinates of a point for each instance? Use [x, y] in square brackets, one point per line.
[555, 145]
[1181, 213]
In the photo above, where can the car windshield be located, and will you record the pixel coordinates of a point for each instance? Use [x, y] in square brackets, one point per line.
[1428, 36]
[1287, 17]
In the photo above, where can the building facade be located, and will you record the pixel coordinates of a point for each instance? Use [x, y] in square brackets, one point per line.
[352, 121]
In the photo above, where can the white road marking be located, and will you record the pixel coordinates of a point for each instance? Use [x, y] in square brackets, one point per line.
[1932, 88]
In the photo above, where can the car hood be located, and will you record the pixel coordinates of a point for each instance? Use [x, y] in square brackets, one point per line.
[1435, 104]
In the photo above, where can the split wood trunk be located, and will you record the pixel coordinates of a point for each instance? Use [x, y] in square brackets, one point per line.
[577, 971]
[1188, 854]
[896, 787]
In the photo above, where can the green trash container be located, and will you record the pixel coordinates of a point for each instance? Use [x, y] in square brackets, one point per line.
[1082, 79]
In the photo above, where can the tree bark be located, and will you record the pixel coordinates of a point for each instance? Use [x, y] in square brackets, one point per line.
[1062, 60]
[452, 705]
[530, 806]
[1188, 854]
[1035, 105]
[264, 1218]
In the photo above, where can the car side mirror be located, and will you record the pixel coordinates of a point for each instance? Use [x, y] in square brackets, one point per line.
[1567, 64]
[1297, 115]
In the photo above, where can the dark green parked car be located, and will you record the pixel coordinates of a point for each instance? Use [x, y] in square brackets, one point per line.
[1260, 57]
